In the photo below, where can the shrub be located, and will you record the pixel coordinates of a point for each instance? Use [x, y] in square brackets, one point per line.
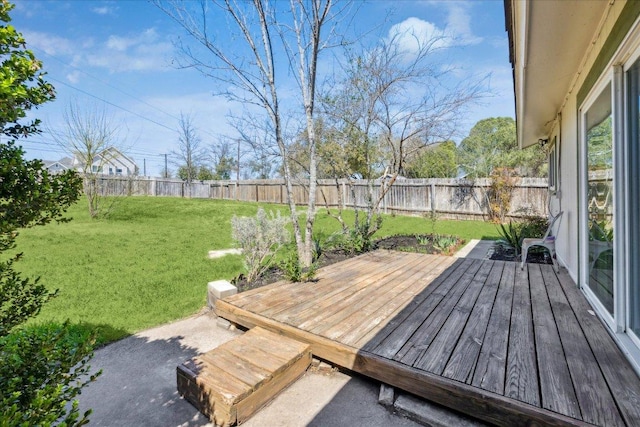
[43, 369]
[260, 237]
[355, 240]
[294, 272]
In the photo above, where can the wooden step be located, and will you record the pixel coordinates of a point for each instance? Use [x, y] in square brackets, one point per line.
[231, 382]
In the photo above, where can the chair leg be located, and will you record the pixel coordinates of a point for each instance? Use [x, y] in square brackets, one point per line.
[556, 266]
[523, 257]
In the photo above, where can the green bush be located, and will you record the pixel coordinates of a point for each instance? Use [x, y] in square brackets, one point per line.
[43, 368]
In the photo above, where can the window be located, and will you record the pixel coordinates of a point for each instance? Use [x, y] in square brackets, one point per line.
[553, 166]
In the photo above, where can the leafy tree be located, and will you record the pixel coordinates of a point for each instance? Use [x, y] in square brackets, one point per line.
[222, 160]
[492, 143]
[41, 370]
[186, 173]
[438, 161]
[205, 174]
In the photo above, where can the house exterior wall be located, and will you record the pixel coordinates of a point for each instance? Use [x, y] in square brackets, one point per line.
[566, 128]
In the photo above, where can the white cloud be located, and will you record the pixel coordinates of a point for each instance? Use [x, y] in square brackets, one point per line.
[49, 43]
[137, 52]
[414, 34]
[73, 77]
[104, 10]
[459, 24]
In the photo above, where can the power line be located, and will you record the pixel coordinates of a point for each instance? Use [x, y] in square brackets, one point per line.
[107, 83]
[112, 104]
[119, 90]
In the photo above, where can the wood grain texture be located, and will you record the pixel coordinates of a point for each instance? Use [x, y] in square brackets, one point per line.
[462, 362]
[490, 370]
[435, 357]
[619, 375]
[419, 343]
[509, 346]
[356, 310]
[597, 405]
[522, 368]
[556, 387]
[388, 341]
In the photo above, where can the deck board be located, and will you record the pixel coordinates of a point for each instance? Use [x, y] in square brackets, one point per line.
[594, 397]
[506, 345]
[403, 325]
[522, 370]
[364, 305]
[462, 363]
[490, 368]
[415, 347]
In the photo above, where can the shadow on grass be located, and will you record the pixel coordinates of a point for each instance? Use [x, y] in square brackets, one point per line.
[102, 333]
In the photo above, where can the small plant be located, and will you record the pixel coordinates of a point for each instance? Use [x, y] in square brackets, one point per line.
[422, 239]
[260, 238]
[444, 243]
[432, 219]
[354, 240]
[511, 236]
[294, 272]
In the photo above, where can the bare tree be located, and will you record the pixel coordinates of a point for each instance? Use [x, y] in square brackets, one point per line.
[249, 68]
[390, 103]
[190, 154]
[93, 140]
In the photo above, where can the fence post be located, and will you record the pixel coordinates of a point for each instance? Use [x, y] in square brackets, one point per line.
[344, 195]
[433, 198]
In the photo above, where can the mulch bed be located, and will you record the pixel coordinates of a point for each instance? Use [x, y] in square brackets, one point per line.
[535, 255]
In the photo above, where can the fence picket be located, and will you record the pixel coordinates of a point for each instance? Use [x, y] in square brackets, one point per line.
[446, 198]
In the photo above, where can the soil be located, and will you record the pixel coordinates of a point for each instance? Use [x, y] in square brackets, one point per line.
[421, 244]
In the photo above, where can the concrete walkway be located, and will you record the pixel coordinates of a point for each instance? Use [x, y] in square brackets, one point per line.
[138, 386]
[475, 249]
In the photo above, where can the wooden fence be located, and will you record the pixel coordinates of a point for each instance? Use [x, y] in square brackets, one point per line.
[445, 198]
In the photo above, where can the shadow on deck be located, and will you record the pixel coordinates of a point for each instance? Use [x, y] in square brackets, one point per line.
[483, 337]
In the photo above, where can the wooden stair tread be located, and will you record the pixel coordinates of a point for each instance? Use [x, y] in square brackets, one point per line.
[234, 380]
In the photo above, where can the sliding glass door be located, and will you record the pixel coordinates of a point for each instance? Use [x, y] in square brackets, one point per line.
[599, 225]
[633, 199]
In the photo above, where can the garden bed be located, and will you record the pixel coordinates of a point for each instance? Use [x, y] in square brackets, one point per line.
[426, 244]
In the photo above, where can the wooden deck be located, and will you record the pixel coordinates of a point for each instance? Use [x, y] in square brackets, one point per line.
[508, 346]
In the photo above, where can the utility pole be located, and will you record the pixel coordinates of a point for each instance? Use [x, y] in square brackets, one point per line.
[238, 171]
[144, 166]
[166, 166]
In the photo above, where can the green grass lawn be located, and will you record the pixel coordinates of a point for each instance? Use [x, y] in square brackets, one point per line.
[147, 264]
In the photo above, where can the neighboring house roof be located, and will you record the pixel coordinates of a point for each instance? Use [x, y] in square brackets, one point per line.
[547, 44]
[63, 163]
[111, 156]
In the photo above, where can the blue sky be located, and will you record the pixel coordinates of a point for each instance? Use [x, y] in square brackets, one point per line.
[120, 55]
